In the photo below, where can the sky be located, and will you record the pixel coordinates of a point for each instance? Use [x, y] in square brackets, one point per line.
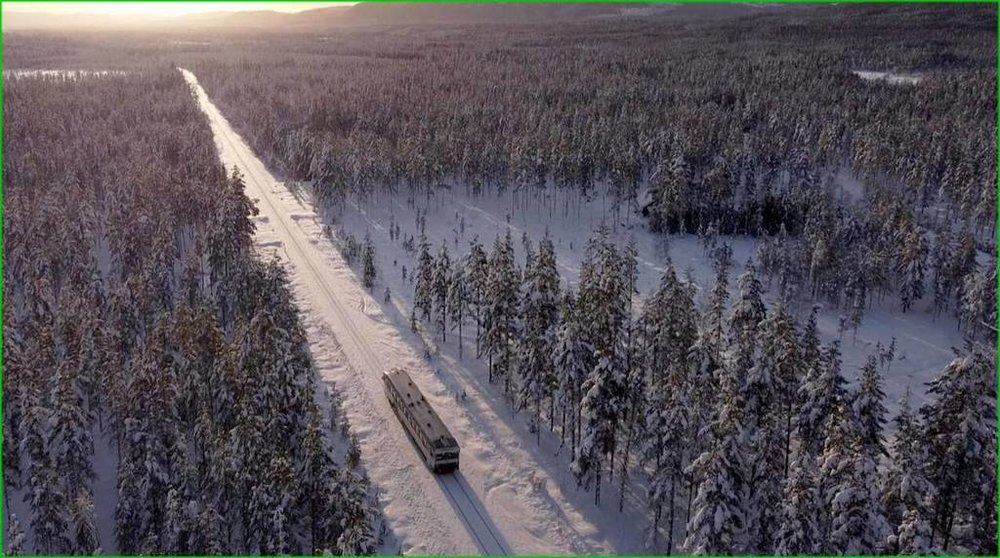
[160, 8]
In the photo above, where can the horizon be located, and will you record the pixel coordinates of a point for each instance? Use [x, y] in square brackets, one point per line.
[169, 9]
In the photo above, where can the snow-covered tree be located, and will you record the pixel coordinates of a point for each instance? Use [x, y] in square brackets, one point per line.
[797, 528]
[910, 265]
[821, 392]
[369, 271]
[668, 327]
[717, 522]
[502, 314]
[960, 435]
[423, 294]
[767, 422]
[86, 540]
[458, 301]
[570, 359]
[440, 286]
[477, 269]
[15, 538]
[857, 524]
[540, 309]
[915, 535]
[867, 405]
[599, 411]
[46, 492]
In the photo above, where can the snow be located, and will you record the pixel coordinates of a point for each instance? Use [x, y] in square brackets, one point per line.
[511, 495]
[889, 77]
[65, 74]
[492, 504]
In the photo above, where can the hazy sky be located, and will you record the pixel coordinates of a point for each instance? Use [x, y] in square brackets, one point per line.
[159, 8]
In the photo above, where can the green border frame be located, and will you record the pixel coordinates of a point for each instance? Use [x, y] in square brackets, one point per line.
[271, 2]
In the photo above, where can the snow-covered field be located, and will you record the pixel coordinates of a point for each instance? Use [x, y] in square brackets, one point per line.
[64, 74]
[889, 77]
[511, 496]
[923, 344]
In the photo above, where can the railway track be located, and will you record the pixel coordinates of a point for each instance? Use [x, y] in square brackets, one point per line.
[484, 532]
[362, 357]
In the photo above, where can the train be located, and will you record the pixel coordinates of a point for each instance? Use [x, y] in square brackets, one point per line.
[437, 446]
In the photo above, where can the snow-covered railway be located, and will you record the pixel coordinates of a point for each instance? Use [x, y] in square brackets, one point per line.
[423, 514]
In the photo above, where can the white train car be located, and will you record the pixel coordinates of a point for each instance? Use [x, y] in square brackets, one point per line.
[436, 444]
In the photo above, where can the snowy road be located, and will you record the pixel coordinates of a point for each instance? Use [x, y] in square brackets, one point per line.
[488, 507]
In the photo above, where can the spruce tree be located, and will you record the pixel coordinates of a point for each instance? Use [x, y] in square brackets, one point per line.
[821, 392]
[476, 271]
[960, 432]
[423, 294]
[440, 286]
[502, 315]
[570, 357]
[540, 309]
[458, 301]
[717, 522]
[767, 420]
[369, 271]
[911, 265]
[797, 531]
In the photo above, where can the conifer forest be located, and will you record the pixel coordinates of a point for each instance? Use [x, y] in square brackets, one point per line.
[711, 279]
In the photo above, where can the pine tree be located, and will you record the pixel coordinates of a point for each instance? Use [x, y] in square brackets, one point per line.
[668, 329]
[70, 441]
[370, 273]
[502, 315]
[910, 265]
[441, 285]
[540, 309]
[979, 304]
[904, 486]
[45, 490]
[714, 325]
[604, 299]
[748, 313]
[359, 516]
[477, 273]
[960, 433]
[266, 516]
[867, 406]
[915, 536]
[423, 296]
[939, 264]
[86, 540]
[767, 419]
[458, 301]
[570, 357]
[15, 537]
[857, 524]
[599, 413]
[821, 392]
[717, 523]
[797, 532]
[13, 377]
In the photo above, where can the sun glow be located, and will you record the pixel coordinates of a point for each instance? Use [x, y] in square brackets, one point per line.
[160, 8]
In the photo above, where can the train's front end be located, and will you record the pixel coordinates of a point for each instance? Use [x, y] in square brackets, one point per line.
[446, 455]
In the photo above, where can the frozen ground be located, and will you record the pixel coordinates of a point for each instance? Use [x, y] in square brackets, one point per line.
[889, 77]
[64, 74]
[511, 496]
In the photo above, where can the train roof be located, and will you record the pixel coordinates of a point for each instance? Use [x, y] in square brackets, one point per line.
[438, 434]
